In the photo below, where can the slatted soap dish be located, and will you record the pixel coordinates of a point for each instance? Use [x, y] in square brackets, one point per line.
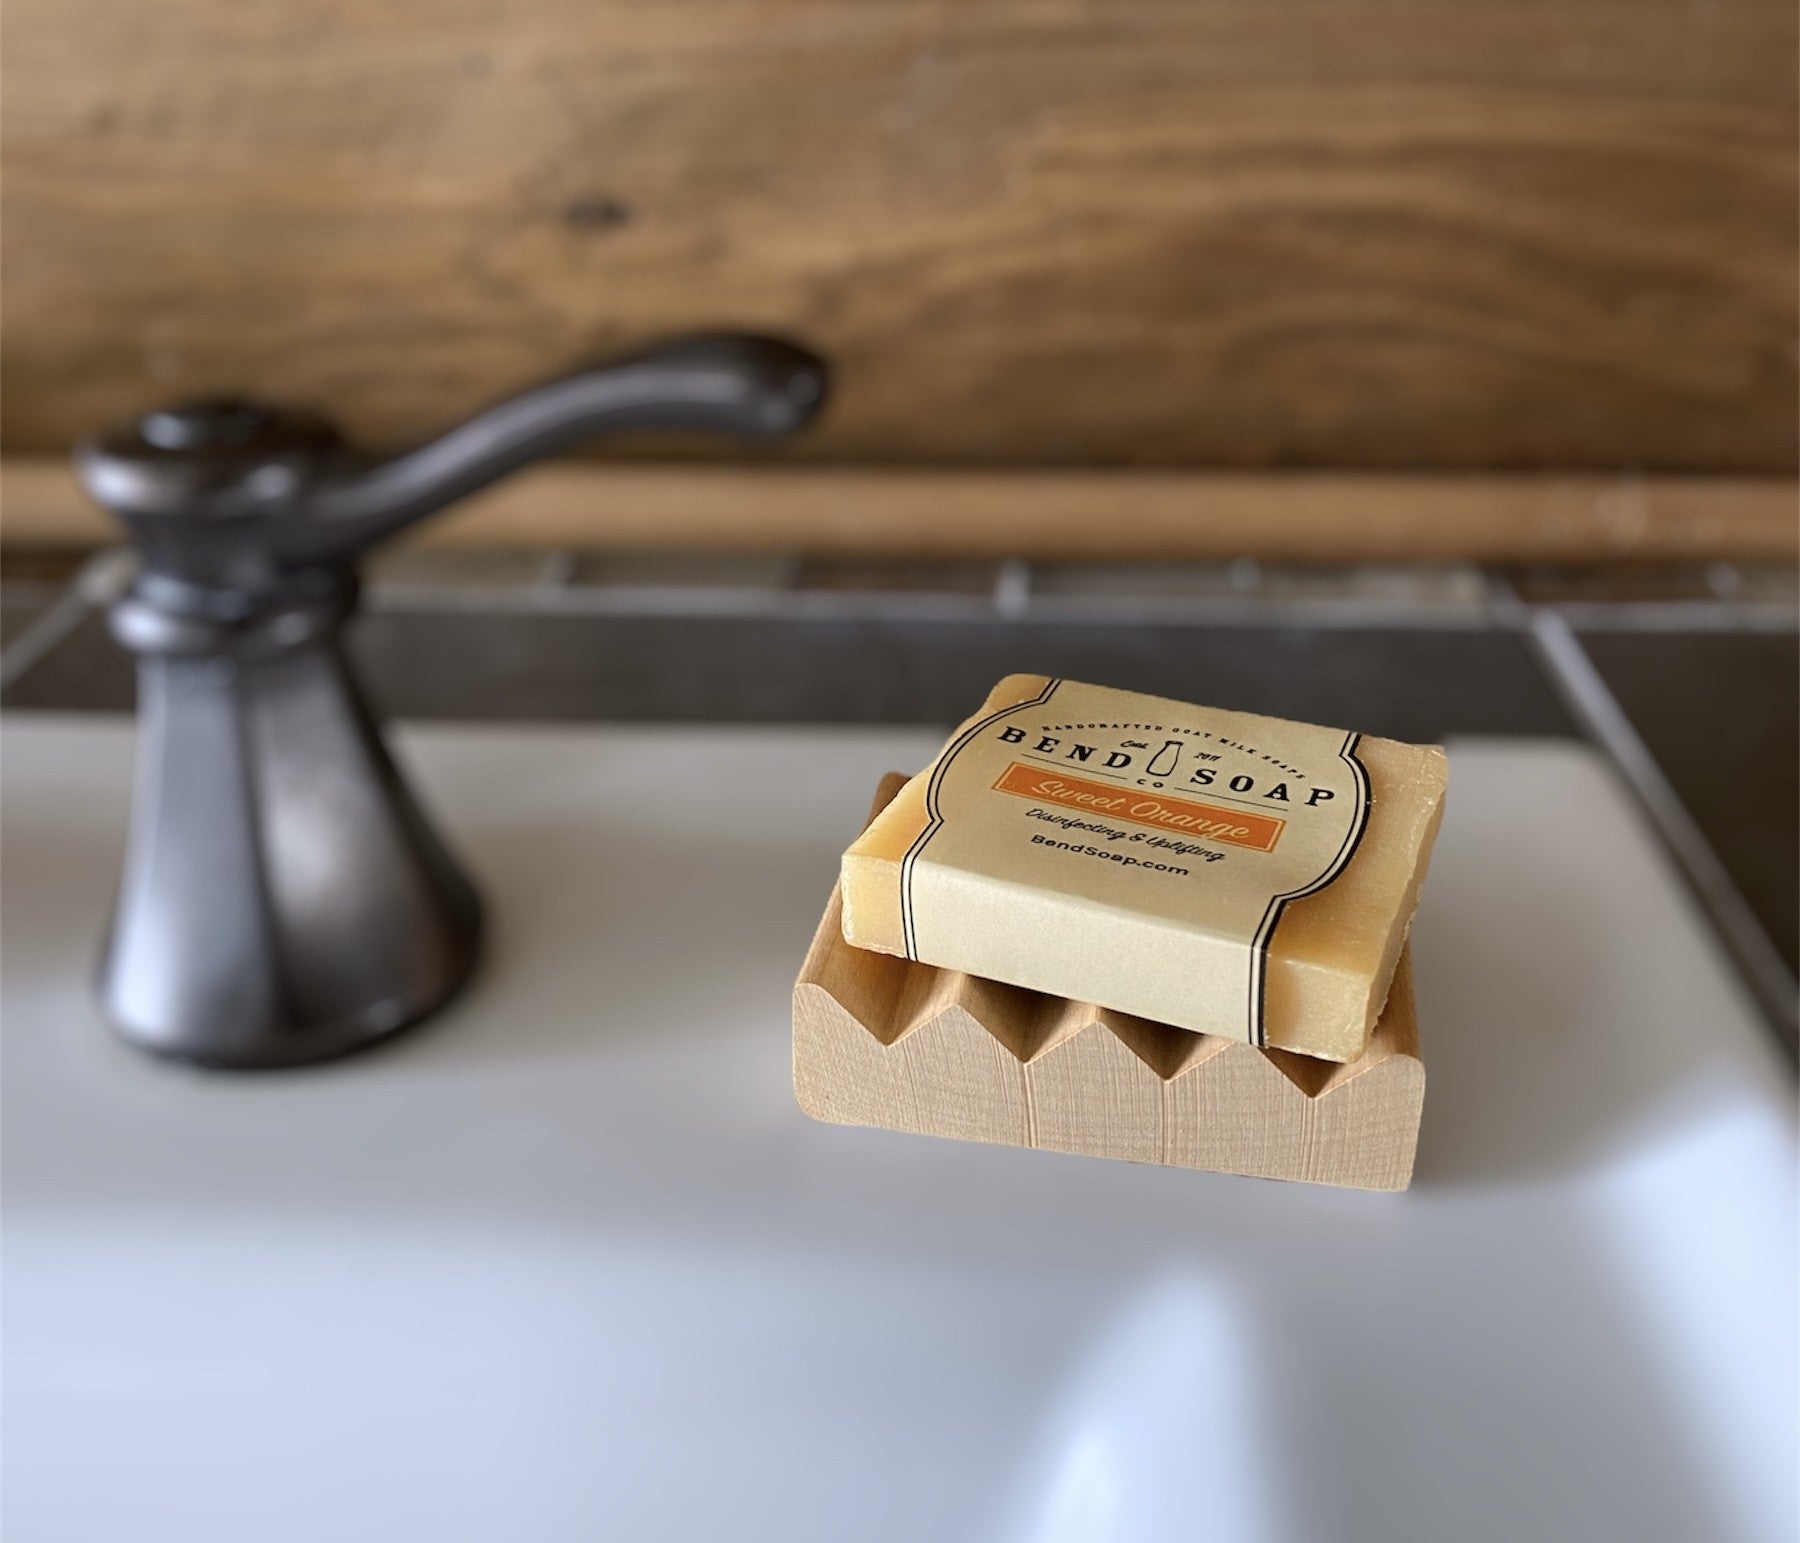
[886, 1042]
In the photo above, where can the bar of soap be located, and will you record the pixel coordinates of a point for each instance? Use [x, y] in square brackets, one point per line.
[1221, 872]
[878, 1041]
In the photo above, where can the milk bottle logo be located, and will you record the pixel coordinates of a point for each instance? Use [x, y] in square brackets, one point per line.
[1164, 762]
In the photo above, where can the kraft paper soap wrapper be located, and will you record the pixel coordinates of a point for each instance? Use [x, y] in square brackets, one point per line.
[1222, 872]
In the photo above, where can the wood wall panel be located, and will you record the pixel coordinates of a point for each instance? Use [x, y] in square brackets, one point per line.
[896, 512]
[1235, 233]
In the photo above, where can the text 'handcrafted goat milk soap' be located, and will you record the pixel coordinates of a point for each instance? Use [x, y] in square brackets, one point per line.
[1219, 871]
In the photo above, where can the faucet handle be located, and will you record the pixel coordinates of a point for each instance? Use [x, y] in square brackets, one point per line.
[235, 495]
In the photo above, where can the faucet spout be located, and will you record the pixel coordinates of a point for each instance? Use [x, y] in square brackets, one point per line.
[284, 897]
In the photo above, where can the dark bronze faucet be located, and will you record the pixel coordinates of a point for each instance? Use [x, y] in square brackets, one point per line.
[284, 899]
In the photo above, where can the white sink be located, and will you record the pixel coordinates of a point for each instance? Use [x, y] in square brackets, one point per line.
[569, 1264]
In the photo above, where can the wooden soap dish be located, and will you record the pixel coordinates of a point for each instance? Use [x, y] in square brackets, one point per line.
[886, 1042]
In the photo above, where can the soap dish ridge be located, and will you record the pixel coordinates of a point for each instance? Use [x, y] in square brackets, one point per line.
[887, 1042]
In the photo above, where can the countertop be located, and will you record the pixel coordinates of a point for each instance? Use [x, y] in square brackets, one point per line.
[568, 1263]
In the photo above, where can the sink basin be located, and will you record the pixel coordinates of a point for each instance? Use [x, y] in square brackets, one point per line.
[569, 1264]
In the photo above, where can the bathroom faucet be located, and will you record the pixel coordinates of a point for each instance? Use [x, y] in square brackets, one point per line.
[284, 900]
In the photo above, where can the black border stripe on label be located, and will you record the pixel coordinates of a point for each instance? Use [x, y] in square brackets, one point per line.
[935, 820]
[1265, 931]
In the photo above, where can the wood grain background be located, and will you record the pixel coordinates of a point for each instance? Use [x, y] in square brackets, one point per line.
[1232, 233]
[890, 511]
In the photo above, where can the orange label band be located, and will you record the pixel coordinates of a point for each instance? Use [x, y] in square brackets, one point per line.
[1237, 827]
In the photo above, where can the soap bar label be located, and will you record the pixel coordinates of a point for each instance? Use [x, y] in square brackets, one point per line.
[1234, 827]
[1163, 837]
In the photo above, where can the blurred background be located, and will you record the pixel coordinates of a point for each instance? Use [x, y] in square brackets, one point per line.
[1416, 364]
